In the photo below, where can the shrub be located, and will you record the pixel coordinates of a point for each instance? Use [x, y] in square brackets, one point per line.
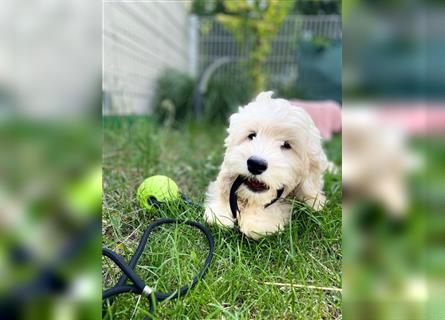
[173, 99]
[223, 97]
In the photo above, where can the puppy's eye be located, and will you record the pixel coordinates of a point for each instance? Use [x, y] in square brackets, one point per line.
[285, 145]
[251, 136]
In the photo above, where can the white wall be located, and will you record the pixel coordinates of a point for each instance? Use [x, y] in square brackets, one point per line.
[141, 39]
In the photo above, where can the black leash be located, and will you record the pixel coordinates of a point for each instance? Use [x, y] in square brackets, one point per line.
[233, 200]
[137, 285]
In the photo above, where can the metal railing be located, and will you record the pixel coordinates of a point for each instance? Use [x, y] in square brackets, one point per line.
[215, 42]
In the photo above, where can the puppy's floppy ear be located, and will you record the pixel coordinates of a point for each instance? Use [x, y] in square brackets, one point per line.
[314, 162]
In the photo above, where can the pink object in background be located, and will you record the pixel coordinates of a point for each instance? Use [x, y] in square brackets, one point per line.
[325, 114]
[415, 119]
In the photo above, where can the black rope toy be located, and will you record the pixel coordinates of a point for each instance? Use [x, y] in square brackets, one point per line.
[233, 199]
[137, 285]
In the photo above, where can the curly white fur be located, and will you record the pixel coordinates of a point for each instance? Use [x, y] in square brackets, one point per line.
[299, 170]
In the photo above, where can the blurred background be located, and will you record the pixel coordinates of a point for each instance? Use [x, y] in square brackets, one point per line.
[393, 151]
[204, 58]
[50, 159]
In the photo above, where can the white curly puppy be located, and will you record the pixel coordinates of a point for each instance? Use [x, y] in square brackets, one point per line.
[276, 148]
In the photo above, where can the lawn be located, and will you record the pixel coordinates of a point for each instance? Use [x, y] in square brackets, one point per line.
[246, 277]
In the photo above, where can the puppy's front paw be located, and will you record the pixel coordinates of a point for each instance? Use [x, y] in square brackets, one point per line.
[212, 217]
[257, 229]
[253, 234]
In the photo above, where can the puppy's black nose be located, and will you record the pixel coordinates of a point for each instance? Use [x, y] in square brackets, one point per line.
[256, 165]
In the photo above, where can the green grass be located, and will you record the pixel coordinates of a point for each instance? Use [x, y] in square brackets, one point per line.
[308, 252]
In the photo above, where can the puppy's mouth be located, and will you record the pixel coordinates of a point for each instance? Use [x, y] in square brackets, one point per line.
[255, 185]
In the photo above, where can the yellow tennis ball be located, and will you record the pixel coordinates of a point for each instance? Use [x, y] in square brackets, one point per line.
[85, 195]
[157, 189]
